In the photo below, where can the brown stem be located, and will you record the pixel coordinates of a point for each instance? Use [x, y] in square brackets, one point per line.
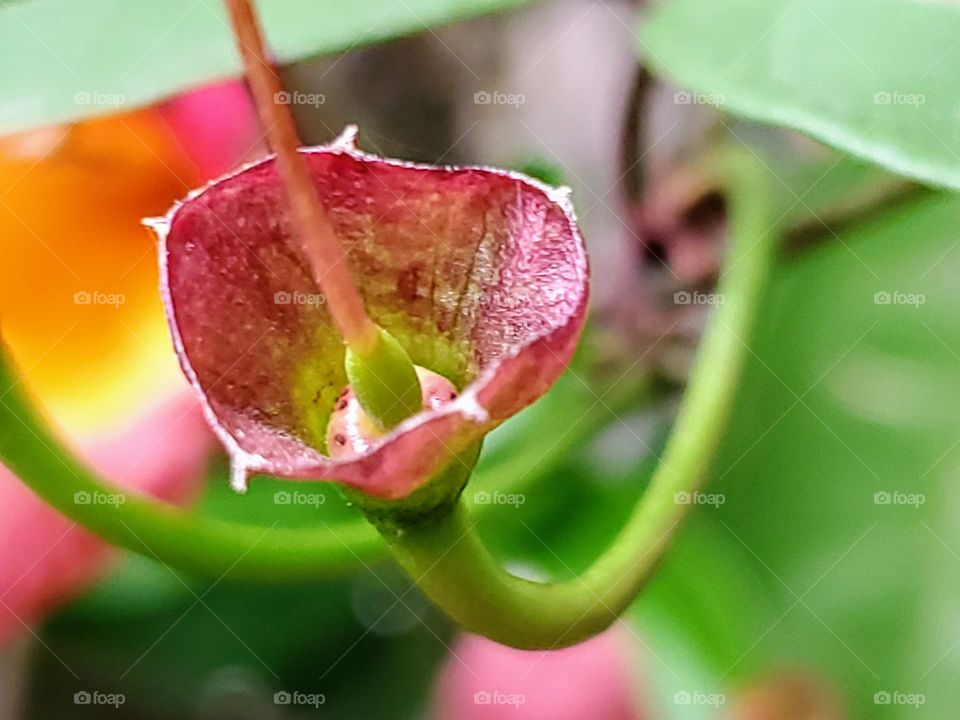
[319, 241]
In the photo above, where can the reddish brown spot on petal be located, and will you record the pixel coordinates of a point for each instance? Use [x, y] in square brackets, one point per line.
[408, 284]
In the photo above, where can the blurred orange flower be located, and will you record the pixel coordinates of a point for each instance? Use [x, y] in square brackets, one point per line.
[78, 298]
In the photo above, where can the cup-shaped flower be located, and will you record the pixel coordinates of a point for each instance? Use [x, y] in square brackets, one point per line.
[479, 274]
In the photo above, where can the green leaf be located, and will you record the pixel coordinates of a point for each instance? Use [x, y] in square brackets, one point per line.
[876, 78]
[67, 60]
[852, 391]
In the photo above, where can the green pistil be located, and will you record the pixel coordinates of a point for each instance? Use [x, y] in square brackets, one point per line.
[384, 380]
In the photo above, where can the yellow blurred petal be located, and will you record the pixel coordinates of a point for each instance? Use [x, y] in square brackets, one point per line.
[79, 303]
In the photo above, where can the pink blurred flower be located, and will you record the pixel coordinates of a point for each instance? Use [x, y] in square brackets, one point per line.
[482, 680]
[47, 559]
[216, 125]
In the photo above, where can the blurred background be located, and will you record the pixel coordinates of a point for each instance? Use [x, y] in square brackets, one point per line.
[817, 576]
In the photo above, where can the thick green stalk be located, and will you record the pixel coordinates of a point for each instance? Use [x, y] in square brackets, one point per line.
[445, 556]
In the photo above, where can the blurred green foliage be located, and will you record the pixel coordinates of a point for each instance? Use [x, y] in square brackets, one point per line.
[78, 60]
[845, 397]
[875, 78]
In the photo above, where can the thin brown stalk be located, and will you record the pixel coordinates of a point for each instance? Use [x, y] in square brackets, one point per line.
[319, 241]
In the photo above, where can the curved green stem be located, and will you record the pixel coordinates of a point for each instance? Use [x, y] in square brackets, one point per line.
[450, 563]
[210, 547]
